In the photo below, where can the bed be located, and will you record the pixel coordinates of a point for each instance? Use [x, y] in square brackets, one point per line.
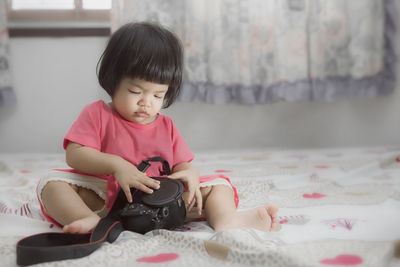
[338, 207]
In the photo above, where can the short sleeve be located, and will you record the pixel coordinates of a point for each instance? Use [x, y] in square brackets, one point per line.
[181, 150]
[86, 130]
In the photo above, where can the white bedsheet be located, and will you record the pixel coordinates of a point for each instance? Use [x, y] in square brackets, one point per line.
[338, 207]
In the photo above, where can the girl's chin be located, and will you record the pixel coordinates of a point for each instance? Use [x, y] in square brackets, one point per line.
[142, 120]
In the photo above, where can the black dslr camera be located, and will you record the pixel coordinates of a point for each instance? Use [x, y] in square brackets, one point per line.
[163, 209]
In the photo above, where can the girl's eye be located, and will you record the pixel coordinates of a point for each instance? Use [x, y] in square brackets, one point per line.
[157, 96]
[134, 92]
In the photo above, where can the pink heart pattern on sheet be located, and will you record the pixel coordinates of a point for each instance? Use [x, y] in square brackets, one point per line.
[220, 171]
[314, 195]
[343, 259]
[164, 257]
[322, 166]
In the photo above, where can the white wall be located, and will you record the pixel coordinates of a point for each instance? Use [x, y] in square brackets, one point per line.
[54, 78]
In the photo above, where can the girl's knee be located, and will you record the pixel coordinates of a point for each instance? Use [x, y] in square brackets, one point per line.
[214, 189]
[218, 188]
[52, 186]
[55, 186]
[50, 190]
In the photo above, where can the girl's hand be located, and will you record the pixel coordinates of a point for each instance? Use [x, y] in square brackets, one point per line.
[129, 176]
[190, 177]
[90, 160]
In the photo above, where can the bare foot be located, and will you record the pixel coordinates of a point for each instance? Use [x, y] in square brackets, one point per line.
[83, 225]
[261, 218]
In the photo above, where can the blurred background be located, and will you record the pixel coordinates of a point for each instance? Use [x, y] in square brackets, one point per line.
[279, 74]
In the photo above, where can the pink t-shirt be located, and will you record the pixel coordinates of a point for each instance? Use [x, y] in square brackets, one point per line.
[102, 128]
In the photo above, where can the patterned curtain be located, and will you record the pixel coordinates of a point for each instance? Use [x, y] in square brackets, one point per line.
[258, 51]
[7, 96]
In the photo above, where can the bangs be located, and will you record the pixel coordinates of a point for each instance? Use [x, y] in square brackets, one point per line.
[157, 60]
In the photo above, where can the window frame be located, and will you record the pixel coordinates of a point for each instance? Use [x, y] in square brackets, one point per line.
[58, 23]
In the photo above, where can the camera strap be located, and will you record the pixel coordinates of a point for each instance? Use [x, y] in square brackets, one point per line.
[48, 247]
[145, 164]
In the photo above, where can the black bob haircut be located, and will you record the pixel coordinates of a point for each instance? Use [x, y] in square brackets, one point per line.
[146, 51]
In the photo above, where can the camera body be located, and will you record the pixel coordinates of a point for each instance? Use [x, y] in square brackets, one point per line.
[163, 209]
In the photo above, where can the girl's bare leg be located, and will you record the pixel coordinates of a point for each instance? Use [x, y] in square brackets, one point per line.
[71, 206]
[221, 211]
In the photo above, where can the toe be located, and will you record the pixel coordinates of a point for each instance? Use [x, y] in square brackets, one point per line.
[272, 210]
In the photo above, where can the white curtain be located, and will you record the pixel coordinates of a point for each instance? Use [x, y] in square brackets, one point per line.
[7, 96]
[259, 51]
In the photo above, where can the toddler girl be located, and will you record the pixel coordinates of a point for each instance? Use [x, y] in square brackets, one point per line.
[141, 69]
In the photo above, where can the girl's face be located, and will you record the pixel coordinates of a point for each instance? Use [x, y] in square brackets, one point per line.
[138, 100]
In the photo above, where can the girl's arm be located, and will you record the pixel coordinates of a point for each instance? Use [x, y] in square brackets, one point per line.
[92, 161]
[189, 175]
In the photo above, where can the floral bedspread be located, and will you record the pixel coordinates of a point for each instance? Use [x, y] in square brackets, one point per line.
[338, 207]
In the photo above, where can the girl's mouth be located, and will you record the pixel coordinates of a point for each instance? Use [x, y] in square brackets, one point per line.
[142, 114]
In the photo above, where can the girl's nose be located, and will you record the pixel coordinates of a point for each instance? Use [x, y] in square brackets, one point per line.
[144, 101]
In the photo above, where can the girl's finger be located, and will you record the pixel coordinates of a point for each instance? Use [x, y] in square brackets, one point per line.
[199, 201]
[191, 199]
[176, 176]
[153, 183]
[144, 182]
[144, 188]
[186, 198]
[190, 207]
[127, 192]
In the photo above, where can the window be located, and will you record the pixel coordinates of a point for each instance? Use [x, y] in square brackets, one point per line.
[59, 17]
[60, 4]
